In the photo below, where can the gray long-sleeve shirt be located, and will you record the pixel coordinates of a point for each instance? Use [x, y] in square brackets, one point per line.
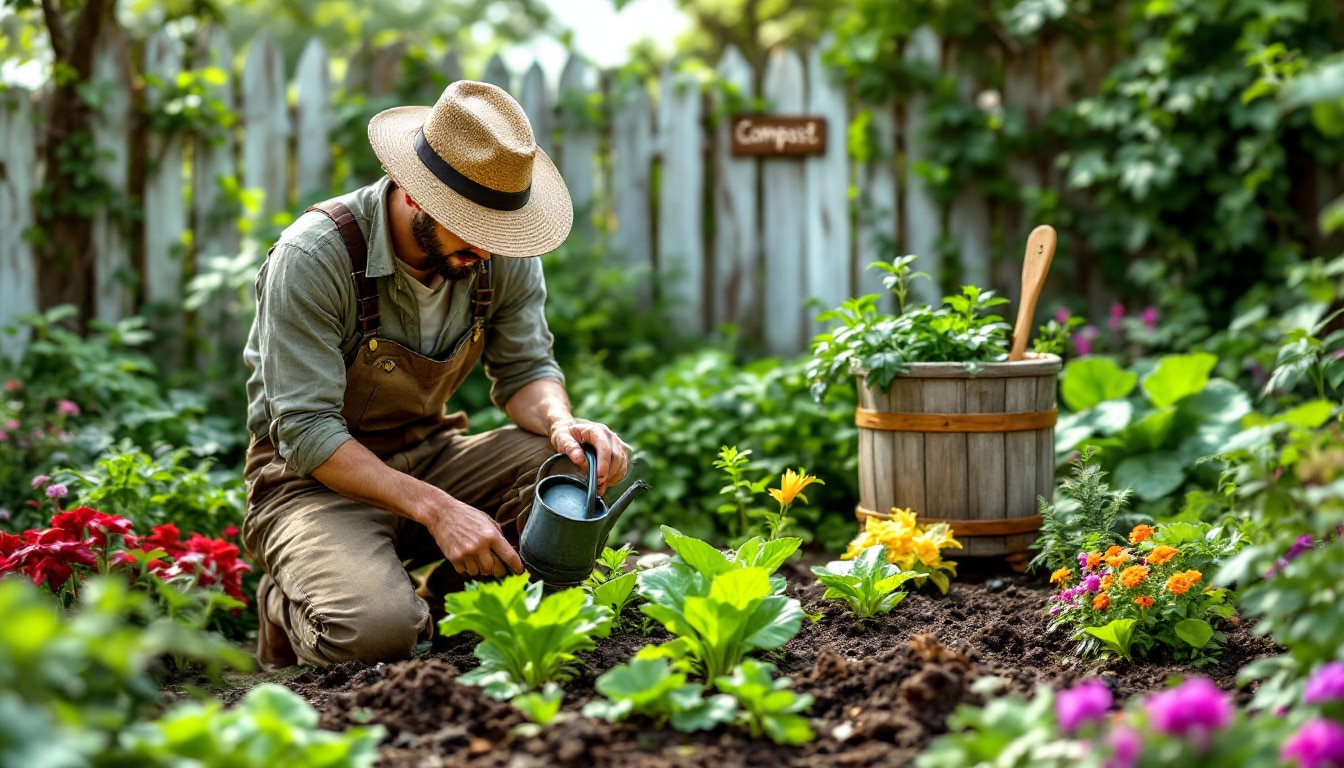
[307, 326]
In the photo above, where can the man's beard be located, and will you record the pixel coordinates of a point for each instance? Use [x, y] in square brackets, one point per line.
[423, 231]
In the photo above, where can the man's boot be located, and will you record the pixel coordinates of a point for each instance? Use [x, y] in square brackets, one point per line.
[274, 651]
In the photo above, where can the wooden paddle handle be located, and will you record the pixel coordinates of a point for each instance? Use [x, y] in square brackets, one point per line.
[1035, 265]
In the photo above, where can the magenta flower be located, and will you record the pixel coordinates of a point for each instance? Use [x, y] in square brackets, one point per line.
[40, 481]
[1318, 744]
[1086, 702]
[1062, 315]
[1126, 745]
[1193, 709]
[1325, 684]
[1117, 315]
[1150, 318]
[12, 425]
[4, 436]
[67, 407]
[57, 491]
[1092, 583]
[1082, 559]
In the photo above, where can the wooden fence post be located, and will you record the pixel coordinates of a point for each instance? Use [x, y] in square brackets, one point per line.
[681, 210]
[878, 230]
[785, 231]
[631, 178]
[536, 101]
[165, 205]
[266, 121]
[112, 138]
[312, 120]
[829, 259]
[737, 244]
[579, 141]
[497, 74]
[18, 182]
[922, 217]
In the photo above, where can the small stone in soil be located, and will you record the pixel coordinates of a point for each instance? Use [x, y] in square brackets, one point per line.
[995, 585]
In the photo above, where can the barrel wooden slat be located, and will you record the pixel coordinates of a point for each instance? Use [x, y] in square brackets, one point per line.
[1045, 453]
[986, 479]
[1019, 448]
[945, 462]
[867, 438]
[987, 476]
[907, 453]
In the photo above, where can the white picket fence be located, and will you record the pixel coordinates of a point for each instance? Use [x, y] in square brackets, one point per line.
[784, 230]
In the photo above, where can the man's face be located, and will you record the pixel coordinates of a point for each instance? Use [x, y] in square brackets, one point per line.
[445, 253]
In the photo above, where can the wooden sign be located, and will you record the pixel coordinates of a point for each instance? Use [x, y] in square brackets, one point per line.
[778, 135]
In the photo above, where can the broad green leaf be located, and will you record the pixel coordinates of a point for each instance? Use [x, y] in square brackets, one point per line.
[1151, 475]
[1309, 415]
[769, 555]
[1221, 402]
[1117, 635]
[698, 554]
[1196, 632]
[615, 593]
[701, 713]
[775, 622]
[1148, 433]
[1087, 381]
[1179, 376]
[640, 681]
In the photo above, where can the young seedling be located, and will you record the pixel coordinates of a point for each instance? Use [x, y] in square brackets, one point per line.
[610, 586]
[868, 584]
[649, 687]
[542, 709]
[766, 705]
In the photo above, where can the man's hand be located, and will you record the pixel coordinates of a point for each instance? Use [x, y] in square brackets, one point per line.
[613, 457]
[472, 542]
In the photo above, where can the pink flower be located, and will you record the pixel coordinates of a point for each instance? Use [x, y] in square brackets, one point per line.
[67, 407]
[1318, 744]
[4, 515]
[1085, 702]
[40, 481]
[1150, 318]
[1062, 315]
[229, 532]
[4, 438]
[13, 385]
[1325, 684]
[12, 424]
[1117, 315]
[57, 491]
[1126, 744]
[1192, 709]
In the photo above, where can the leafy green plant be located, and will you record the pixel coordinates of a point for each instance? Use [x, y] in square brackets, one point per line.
[526, 639]
[649, 687]
[1087, 523]
[542, 709]
[1150, 425]
[1006, 731]
[756, 552]
[1305, 353]
[1131, 599]
[868, 584]
[272, 725]
[718, 619]
[610, 585]
[882, 346]
[767, 706]
[914, 548]
[737, 512]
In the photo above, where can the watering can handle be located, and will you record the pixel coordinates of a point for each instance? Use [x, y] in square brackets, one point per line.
[591, 453]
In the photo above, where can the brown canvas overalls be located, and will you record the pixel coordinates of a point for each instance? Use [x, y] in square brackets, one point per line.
[340, 567]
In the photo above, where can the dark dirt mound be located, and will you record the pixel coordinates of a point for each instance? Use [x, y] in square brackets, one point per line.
[882, 689]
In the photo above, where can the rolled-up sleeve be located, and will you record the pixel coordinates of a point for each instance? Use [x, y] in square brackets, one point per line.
[518, 348]
[301, 304]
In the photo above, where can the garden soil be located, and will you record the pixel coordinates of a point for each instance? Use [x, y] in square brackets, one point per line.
[882, 690]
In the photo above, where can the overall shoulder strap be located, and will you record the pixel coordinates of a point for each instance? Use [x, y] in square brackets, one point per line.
[480, 300]
[366, 288]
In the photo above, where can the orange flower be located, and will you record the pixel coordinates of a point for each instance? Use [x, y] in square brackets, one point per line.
[1093, 559]
[1133, 576]
[1107, 581]
[1114, 550]
[1141, 533]
[1061, 576]
[1101, 602]
[1118, 559]
[1180, 583]
[1143, 601]
[1162, 554]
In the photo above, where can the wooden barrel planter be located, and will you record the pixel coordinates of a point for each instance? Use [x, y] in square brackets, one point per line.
[974, 451]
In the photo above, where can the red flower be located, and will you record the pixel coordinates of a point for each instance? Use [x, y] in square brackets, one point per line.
[165, 537]
[10, 543]
[98, 525]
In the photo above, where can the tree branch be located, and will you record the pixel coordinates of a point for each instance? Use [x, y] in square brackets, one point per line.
[55, 28]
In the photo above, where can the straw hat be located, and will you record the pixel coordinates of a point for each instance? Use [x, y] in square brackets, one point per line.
[472, 163]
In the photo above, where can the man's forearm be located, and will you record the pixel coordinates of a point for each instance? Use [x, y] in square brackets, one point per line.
[538, 405]
[356, 473]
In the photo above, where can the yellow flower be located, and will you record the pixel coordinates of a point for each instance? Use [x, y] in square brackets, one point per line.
[1060, 576]
[863, 541]
[927, 551]
[1107, 581]
[791, 485]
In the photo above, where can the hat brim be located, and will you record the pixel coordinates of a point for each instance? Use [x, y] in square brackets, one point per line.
[538, 227]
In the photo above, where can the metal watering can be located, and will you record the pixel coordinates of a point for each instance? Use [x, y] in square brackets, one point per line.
[569, 523]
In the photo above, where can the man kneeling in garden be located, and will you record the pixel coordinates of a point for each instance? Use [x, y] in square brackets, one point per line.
[371, 310]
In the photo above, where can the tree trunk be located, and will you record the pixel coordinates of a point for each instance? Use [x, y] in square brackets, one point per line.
[67, 200]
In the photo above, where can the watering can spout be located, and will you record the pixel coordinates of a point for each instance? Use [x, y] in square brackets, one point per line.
[617, 509]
